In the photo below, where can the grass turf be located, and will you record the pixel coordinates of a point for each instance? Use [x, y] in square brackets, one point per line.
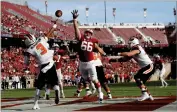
[124, 89]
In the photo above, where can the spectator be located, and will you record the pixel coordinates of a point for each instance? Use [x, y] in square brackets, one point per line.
[7, 82]
[23, 81]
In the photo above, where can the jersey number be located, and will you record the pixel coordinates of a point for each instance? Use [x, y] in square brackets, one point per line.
[41, 49]
[87, 46]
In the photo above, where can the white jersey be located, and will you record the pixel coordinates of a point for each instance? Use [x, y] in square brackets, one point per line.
[40, 50]
[142, 58]
[97, 60]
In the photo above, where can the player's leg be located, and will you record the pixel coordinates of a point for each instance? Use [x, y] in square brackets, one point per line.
[93, 87]
[52, 79]
[86, 83]
[94, 78]
[84, 73]
[60, 81]
[79, 89]
[162, 73]
[47, 91]
[40, 82]
[103, 80]
[141, 77]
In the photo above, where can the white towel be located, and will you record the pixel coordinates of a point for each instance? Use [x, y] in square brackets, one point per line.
[46, 68]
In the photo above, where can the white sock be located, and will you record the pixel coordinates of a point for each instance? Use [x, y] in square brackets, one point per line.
[36, 96]
[61, 88]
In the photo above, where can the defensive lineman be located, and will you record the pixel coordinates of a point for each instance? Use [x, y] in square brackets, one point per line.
[147, 66]
[86, 55]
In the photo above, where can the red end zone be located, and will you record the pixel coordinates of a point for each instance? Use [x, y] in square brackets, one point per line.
[111, 105]
[134, 106]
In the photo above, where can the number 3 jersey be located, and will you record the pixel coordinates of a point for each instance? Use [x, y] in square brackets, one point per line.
[40, 50]
[86, 47]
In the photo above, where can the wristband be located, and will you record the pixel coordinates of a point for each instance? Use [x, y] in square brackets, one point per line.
[54, 26]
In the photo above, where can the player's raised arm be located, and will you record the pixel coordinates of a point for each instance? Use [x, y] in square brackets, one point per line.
[48, 35]
[76, 28]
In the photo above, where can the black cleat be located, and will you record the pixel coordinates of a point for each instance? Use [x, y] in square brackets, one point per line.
[56, 97]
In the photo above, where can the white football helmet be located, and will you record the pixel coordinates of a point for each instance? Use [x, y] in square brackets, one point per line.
[157, 56]
[133, 42]
[30, 39]
[88, 30]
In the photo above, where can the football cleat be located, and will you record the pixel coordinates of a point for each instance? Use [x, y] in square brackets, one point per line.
[151, 98]
[57, 97]
[161, 86]
[88, 93]
[144, 96]
[76, 94]
[100, 95]
[36, 106]
[109, 96]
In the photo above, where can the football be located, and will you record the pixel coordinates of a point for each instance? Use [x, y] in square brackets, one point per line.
[58, 13]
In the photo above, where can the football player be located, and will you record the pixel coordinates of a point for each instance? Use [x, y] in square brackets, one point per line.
[39, 48]
[159, 65]
[58, 58]
[145, 63]
[101, 74]
[87, 43]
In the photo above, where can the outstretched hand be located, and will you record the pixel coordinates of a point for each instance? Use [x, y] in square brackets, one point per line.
[75, 14]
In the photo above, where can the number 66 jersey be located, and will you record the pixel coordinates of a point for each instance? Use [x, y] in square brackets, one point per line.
[41, 51]
[86, 47]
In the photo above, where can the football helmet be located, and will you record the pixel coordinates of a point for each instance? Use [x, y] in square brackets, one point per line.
[157, 56]
[132, 42]
[90, 31]
[30, 39]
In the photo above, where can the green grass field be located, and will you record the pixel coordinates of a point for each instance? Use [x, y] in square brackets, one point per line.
[125, 89]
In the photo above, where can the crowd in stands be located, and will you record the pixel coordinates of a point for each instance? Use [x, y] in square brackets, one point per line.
[13, 69]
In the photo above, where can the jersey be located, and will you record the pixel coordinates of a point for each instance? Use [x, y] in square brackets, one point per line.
[159, 64]
[142, 58]
[97, 58]
[87, 46]
[40, 50]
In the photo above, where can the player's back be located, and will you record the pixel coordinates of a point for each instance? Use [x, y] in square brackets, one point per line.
[142, 58]
[40, 50]
[87, 46]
